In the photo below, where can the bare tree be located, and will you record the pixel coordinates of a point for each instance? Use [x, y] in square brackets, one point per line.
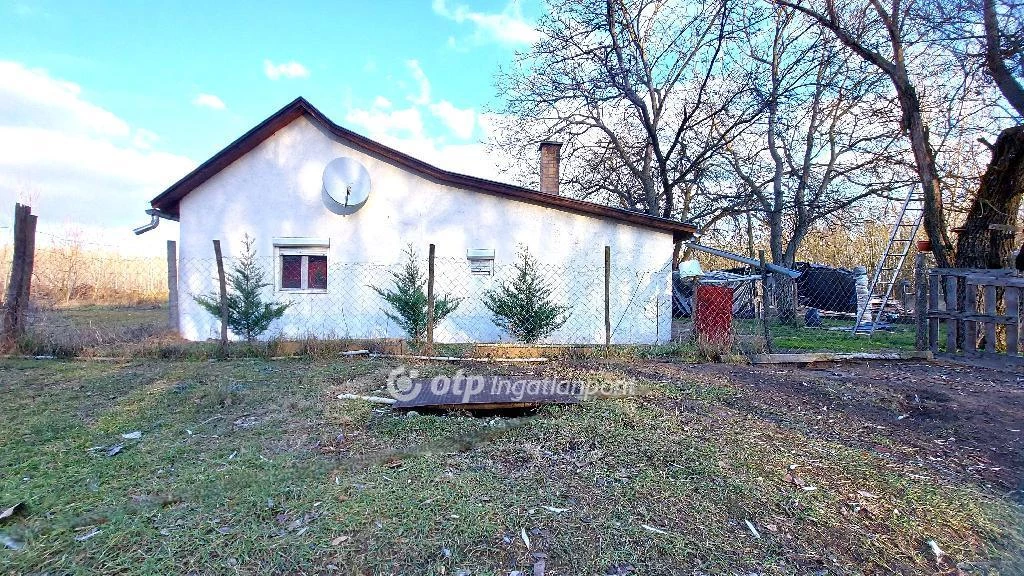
[643, 93]
[824, 143]
[988, 38]
[880, 33]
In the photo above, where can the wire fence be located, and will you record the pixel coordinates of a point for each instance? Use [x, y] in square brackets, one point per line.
[744, 311]
[343, 300]
[737, 311]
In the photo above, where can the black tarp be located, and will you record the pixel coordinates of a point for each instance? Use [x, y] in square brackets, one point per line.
[827, 288]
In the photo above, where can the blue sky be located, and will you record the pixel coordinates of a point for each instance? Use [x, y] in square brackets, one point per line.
[160, 86]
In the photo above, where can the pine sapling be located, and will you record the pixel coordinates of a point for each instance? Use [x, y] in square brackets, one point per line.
[523, 307]
[408, 300]
[248, 315]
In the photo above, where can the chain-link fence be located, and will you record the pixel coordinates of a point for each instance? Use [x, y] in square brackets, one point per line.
[745, 311]
[347, 300]
[734, 311]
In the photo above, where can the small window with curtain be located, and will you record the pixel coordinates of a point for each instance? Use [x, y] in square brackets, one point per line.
[301, 264]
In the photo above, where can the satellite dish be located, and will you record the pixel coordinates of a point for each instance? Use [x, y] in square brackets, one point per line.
[346, 186]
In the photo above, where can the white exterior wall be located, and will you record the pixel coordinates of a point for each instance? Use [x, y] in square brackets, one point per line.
[275, 191]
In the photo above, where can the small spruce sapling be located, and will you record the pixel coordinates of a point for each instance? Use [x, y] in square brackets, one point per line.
[248, 315]
[408, 300]
[523, 307]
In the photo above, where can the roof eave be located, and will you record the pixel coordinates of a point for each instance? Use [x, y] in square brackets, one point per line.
[168, 201]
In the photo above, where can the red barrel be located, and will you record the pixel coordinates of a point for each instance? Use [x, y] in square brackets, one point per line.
[713, 321]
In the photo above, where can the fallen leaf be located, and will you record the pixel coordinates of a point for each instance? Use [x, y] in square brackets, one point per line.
[132, 435]
[88, 535]
[115, 449]
[19, 507]
[753, 530]
[339, 540]
[653, 529]
[526, 539]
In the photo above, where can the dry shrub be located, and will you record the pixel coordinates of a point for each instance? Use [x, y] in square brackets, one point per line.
[68, 274]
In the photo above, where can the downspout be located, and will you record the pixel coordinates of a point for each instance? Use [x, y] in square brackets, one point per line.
[155, 216]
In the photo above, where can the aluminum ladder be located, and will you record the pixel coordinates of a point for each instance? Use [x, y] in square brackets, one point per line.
[901, 239]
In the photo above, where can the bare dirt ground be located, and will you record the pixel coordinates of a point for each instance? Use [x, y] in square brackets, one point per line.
[965, 422]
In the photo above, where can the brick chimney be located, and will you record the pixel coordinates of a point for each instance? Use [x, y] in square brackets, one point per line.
[550, 157]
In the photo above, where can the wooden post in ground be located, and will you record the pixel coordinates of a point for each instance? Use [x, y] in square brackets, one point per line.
[768, 345]
[933, 306]
[19, 288]
[223, 297]
[430, 301]
[921, 302]
[607, 299]
[172, 285]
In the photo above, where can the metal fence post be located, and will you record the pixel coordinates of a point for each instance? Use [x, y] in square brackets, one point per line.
[430, 300]
[921, 302]
[223, 297]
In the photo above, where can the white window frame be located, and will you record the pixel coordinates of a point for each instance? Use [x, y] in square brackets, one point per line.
[304, 247]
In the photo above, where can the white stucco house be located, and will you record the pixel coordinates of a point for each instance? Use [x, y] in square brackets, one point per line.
[331, 212]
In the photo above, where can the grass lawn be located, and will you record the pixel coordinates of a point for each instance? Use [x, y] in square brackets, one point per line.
[793, 338]
[254, 467]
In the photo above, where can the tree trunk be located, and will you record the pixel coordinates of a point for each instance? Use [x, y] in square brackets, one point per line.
[924, 158]
[997, 202]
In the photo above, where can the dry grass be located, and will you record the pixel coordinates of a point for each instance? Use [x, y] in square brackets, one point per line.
[68, 274]
[254, 467]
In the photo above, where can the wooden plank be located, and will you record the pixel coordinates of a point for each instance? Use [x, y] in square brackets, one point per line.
[920, 303]
[222, 280]
[1011, 298]
[430, 300]
[961, 272]
[811, 357]
[970, 309]
[933, 307]
[951, 307]
[998, 319]
[990, 312]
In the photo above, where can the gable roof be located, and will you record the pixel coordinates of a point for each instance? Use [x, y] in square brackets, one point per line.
[168, 200]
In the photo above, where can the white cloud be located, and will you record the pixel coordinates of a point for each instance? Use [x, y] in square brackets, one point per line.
[291, 69]
[380, 121]
[422, 82]
[381, 102]
[459, 120]
[209, 101]
[505, 27]
[403, 130]
[77, 162]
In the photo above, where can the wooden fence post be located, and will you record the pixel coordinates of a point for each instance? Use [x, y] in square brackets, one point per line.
[921, 302]
[430, 301]
[933, 306]
[19, 287]
[768, 344]
[223, 297]
[607, 299]
[172, 285]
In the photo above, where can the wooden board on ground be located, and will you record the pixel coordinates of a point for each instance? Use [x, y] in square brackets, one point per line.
[489, 393]
[810, 357]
